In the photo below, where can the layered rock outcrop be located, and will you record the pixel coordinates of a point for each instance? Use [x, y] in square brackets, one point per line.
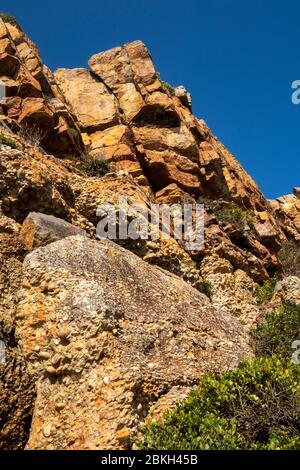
[31, 97]
[104, 338]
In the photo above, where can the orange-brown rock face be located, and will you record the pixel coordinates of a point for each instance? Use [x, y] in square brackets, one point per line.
[287, 210]
[98, 328]
[30, 93]
[145, 129]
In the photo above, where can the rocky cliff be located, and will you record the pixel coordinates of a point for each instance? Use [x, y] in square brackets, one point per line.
[94, 336]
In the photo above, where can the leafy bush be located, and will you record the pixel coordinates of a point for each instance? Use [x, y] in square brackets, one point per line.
[278, 331]
[92, 166]
[6, 140]
[266, 290]
[235, 216]
[256, 406]
[289, 258]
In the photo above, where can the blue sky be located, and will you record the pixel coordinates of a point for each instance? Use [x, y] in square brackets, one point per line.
[237, 58]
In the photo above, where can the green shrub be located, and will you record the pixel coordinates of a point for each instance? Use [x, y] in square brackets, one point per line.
[278, 331]
[167, 85]
[266, 290]
[255, 406]
[6, 140]
[289, 258]
[92, 166]
[235, 216]
[205, 288]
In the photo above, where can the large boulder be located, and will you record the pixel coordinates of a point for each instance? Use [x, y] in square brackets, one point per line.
[105, 335]
[41, 229]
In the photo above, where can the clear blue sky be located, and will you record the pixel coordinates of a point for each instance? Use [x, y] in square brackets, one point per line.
[237, 58]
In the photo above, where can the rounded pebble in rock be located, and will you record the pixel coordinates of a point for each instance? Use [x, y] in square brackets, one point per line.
[44, 355]
[50, 370]
[106, 380]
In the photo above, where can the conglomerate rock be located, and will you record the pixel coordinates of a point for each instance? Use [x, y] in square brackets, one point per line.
[17, 390]
[104, 336]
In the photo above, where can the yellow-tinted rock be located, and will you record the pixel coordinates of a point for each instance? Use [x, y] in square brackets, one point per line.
[94, 106]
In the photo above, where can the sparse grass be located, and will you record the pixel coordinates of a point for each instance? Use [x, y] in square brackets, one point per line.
[9, 19]
[92, 166]
[266, 290]
[169, 87]
[33, 135]
[75, 134]
[235, 216]
[289, 258]
[20, 39]
[6, 140]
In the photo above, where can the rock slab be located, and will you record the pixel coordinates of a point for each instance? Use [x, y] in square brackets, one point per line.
[105, 335]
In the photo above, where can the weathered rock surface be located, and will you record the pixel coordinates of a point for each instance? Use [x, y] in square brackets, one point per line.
[41, 229]
[287, 210]
[286, 290]
[105, 335]
[92, 103]
[17, 391]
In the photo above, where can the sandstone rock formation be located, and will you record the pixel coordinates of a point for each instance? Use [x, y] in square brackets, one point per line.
[41, 229]
[287, 209]
[108, 337]
[104, 336]
[31, 97]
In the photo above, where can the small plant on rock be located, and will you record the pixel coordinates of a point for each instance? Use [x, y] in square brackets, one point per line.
[93, 166]
[6, 140]
[266, 290]
[289, 258]
[167, 85]
[206, 288]
[235, 216]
